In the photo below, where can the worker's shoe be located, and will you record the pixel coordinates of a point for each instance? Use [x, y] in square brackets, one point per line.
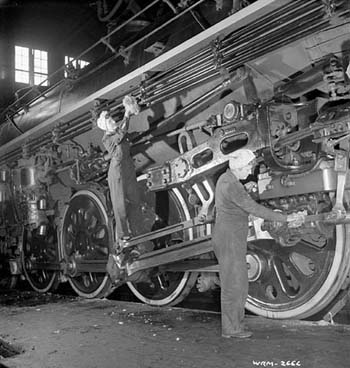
[238, 335]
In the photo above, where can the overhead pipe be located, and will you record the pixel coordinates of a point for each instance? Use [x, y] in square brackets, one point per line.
[246, 55]
[233, 64]
[264, 24]
[192, 105]
[170, 87]
[180, 75]
[207, 52]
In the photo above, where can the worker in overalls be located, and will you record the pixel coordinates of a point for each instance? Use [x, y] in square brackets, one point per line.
[233, 205]
[122, 181]
[124, 191]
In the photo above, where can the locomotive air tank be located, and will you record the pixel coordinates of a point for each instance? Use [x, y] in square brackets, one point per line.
[211, 81]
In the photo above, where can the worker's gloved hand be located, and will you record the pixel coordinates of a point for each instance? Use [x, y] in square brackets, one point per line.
[131, 106]
[296, 219]
[251, 186]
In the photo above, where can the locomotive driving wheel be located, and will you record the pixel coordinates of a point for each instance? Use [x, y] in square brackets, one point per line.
[299, 280]
[40, 248]
[86, 237]
[167, 288]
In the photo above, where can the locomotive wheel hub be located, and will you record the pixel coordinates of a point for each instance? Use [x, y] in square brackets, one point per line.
[255, 266]
[71, 268]
[28, 265]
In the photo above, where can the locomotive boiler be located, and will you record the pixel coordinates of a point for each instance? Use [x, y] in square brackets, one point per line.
[272, 77]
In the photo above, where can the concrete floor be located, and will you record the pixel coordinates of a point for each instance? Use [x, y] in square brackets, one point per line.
[72, 333]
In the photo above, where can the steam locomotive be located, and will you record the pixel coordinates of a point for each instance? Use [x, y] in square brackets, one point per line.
[271, 77]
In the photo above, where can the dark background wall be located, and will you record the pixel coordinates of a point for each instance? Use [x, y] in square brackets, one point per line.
[58, 27]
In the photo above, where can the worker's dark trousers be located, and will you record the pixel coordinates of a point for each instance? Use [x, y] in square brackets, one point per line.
[124, 196]
[230, 247]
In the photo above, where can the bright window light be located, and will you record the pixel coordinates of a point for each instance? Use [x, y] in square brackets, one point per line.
[21, 76]
[40, 67]
[31, 66]
[21, 64]
[38, 78]
[77, 64]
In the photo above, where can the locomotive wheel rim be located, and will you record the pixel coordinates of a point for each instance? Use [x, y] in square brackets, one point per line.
[326, 283]
[40, 280]
[181, 282]
[86, 206]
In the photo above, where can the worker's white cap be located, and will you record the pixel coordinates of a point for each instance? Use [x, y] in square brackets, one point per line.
[106, 122]
[241, 158]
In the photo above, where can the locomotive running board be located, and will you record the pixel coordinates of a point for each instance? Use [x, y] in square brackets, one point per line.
[165, 61]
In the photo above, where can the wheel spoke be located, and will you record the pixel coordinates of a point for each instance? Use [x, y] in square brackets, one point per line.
[99, 233]
[288, 277]
[101, 249]
[308, 249]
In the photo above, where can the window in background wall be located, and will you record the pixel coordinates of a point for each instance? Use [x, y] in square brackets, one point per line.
[77, 64]
[40, 67]
[21, 64]
[31, 66]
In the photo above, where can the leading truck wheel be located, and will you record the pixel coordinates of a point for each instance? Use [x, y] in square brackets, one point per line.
[167, 288]
[40, 248]
[85, 236]
[297, 281]
[7, 281]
